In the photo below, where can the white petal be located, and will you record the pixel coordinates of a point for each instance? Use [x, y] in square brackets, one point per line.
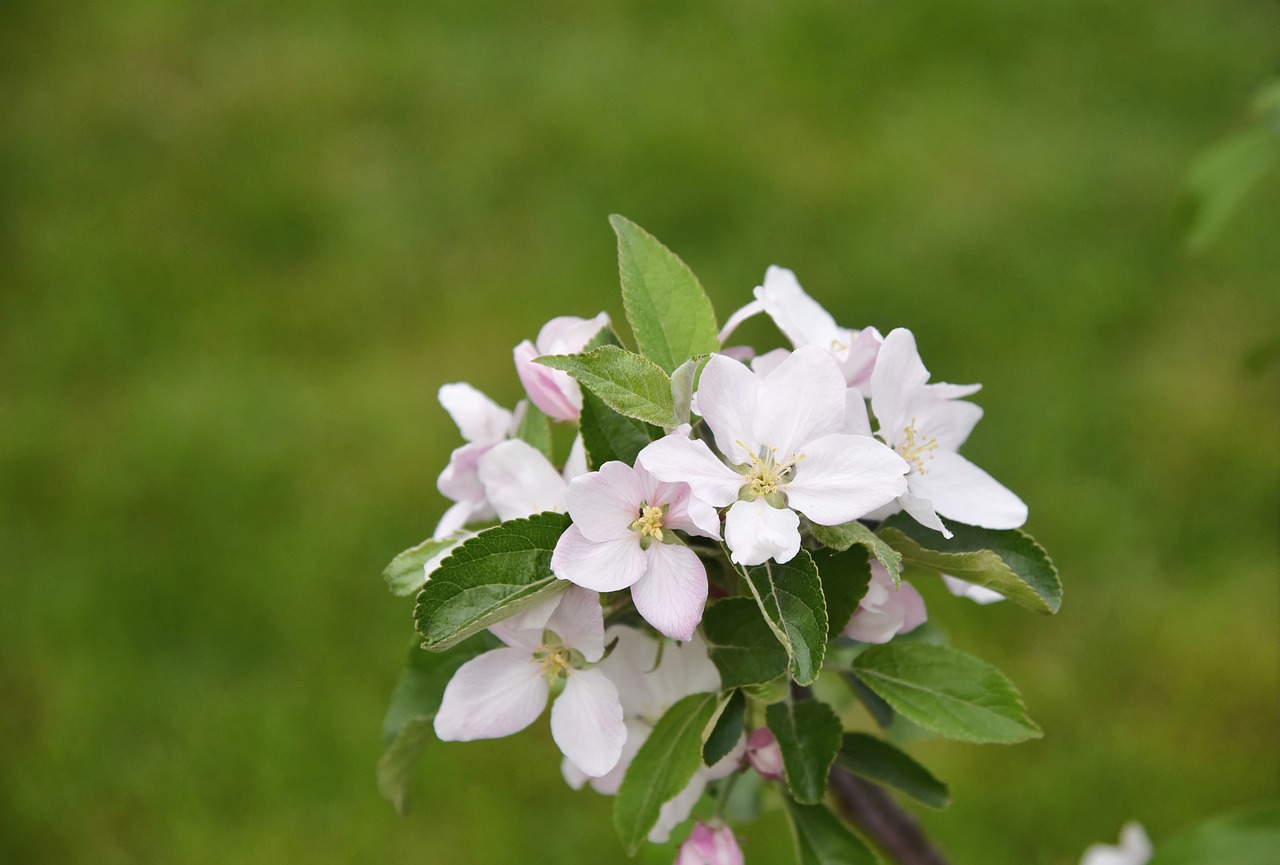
[529, 619]
[755, 307]
[860, 360]
[479, 418]
[673, 592]
[766, 363]
[885, 611]
[568, 334]
[943, 390]
[693, 515]
[553, 391]
[727, 402]
[576, 463]
[629, 666]
[676, 811]
[579, 622]
[844, 477]
[756, 532]
[675, 458]
[803, 399]
[977, 594]
[602, 566]
[519, 481]
[1134, 849]
[856, 422]
[637, 734]
[573, 776]
[899, 373]
[586, 722]
[948, 421]
[457, 516]
[685, 669]
[605, 503]
[800, 318]
[921, 509]
[460, 480]
[493, 695]
[960, 490]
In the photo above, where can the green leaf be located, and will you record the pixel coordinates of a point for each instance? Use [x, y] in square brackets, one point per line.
[396, 765]
[534, 428]
[877, 760]
[790, 596]
[1008, 561]
[742, 645]
[727, 731]
[881, 711]
[662, 768]
[808, 732]
[628, 383]
[607, 435]
[404, 575]
[682, 386]
[495, 574]
[669, 312]
[769, 692]
[845, 536]
[821, 839]
[1251, 838]
[845, 578]
[1221, 177]
[946, 691]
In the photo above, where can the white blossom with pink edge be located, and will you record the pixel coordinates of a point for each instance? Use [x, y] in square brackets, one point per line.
[785, 451]
[483, 424]
[886, 610]
[553, 390]
[1134, 848]
[504, 690]
[707, 845]
[623, 536]
[926, 424]
[765, 754]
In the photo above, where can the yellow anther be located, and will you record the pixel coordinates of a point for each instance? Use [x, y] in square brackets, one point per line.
[915, 448]
[650, 523]
[553, 661]
[768, 474]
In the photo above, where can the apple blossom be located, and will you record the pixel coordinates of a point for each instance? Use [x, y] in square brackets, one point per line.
[1134, 848]
[782, 436]
[504, 690]
[483, 423]
[709, 846]
[764, 754]
[552, 390]
[886, 610]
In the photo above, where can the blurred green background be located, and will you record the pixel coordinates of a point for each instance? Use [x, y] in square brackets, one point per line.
[242, 244]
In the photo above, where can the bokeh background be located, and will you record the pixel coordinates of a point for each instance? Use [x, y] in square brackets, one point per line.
[242, 244]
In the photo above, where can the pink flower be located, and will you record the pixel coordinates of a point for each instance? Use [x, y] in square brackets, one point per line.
[885, 610]
[553, 390]
[707, 846]
[764, 754]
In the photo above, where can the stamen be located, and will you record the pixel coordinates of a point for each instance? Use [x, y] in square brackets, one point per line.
[650, 523]
[915, 449]
[768, 474]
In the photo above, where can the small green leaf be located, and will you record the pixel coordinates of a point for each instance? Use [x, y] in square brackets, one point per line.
[628, 383]
[662, 769]
[534, 428]
[727, 730]
[396, 765]
[1251, 838]
[742, 645]
[790, 596]
[881, 711]
[495, 574]
[669, 312]
[682, 386]
[808, 732]
[1008, 561]
[844, 536]
[404, 575]
[877, 760]
[607, 435]
[946, 691]
[845, 578]
[821, 839]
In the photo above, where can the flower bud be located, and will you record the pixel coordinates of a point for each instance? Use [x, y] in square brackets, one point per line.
[707, 846]
[764, 754]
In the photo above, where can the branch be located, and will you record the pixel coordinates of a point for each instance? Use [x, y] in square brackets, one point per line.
[894, 830]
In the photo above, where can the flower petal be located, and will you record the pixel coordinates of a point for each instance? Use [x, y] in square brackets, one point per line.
[459, 480]
[885, 611]
[753, 308]
[843, 477]
[479, 418]
[579, 622]
[568, 334]
[977, 594]
[491, 696]
[921, 510]
[576, 463]
[766, 363]
[602, 566]
[607, 784]
[727, 402]
[553, 391]
[519, 481]
[677, 458]
[675, 811]
[800, 318]
[960, 490]
[756, 532]
[586, 722]
[947, 421]
[672, 593]
[860, 361]
[856, 422]
[803, 399]
[605, 503]
[899, 373]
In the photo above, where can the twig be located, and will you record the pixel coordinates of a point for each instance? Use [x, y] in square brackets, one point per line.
[894, 830]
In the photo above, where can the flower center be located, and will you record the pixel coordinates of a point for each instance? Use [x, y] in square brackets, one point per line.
[766, 475]
[650, 523]
[915, 448]
[555, 658]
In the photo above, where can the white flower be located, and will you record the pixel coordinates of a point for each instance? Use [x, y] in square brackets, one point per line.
[783, 437]
[886, 610]
[503, 691]
[926, 423]
[483, 423]
[553, 390]
[1134, 849]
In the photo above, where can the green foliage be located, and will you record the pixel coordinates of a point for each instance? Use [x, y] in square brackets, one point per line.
[808, 732]
[628, 383]
[821, 839]
[1251, 838]
[1007, 561]
[727, 730]
[742, 645]
[607, 435]
[662, 768]
[404, 575]
[845, 536]
[845, 578]
[790, 596]
[488, 578]
[877, 760]
[669, 312]
[682, 386]
[946, 691]
[534, 428]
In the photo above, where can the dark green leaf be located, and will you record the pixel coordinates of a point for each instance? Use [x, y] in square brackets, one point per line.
[845, 536]
[1251, 838]
[669, 312]
[845, 577]
[607, 435]
[808, 732]
[495, 574]
[881, 711]
[534, 428]
[877, 760]
[724, 736]
[790, 596]
[404, 575]
[821, 839]
[743, 646]
[769, 692]
[395, 767]
[628, 383]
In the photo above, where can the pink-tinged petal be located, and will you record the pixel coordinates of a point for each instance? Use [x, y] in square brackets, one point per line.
[753, 308]
[766, 363]
[695, 517]
[675, 458]
[579, 622]
[946, 421]
[637, 733]
[519, 481]
[673, 592]
[568, 334]
[676, 811]
[575, 465]
[885, 611]
[963, 492]
[740, 353]
[844, 477]
[686, 669]
[756, 532]
[479, 418]
[628, 667]
[977, 594]
[898, 375]
[573, 776]
[586, 722]
[764, 754]
[856, 422]
[532, 619]
[921, 509]
[943, 390]
[491, 696]
[727, 402]
[860, 361]
[602, 566]
[457, 516]
[707, 846]
[605, 503]
[913, 611]
[800, 318]
[460, 480]
[802, 400]
[553, 391]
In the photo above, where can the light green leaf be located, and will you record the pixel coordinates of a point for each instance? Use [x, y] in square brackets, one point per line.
[1008, 561]
[663, 767]
[790, 596]
[727, 730]
[845, 578]
[877, 760]
[534, 428]
[845, 536]
[683, 381]
[946, 691]
[808, 732]
[1251, 838]
[742, 645]
[669, 312]
[404, 575]
[607, 435]
[628, 383]
[821, 839]
[495, 574]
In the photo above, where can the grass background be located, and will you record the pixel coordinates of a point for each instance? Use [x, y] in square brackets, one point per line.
[242, 244]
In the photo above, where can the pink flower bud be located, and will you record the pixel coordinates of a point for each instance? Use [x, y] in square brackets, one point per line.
[764, 754]
[707, 846]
